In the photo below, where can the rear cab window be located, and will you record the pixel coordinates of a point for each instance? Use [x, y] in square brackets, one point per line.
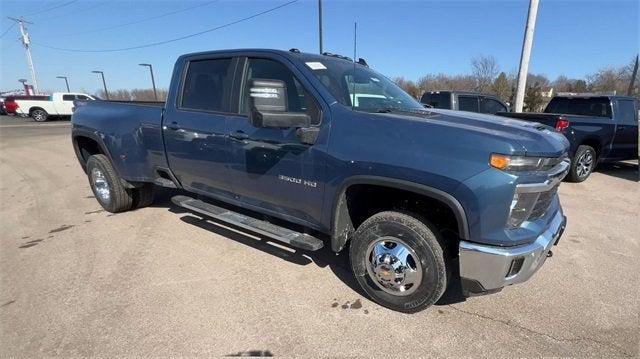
[207, 85]
[68, 97]
[584, 106]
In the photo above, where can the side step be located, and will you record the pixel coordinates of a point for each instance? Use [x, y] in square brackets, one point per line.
[293, 238]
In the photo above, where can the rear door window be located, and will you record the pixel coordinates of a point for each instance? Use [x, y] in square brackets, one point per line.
[207, 86]
[468, 103]
[68, 97]
[626, 112]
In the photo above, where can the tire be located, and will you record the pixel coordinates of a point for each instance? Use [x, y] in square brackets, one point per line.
[583, 164]
[143, 196]
[379, 237]
[39, 115]
[103, 177]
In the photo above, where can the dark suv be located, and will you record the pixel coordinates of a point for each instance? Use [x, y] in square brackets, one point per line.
[464, 101]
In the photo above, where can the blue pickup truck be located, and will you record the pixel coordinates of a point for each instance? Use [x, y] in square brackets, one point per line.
[599, 129]
[309, 149]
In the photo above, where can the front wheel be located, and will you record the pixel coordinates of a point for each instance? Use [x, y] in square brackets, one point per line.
[39, 115]
[582, 164]
[399, 261]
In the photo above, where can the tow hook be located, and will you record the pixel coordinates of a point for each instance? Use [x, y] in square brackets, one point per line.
[549, 254]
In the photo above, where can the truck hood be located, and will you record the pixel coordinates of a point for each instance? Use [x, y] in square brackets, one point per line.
[535, 139]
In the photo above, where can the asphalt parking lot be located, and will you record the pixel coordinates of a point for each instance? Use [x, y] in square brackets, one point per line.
[76, 280]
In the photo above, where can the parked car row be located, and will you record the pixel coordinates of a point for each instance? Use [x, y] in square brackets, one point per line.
[41, 108]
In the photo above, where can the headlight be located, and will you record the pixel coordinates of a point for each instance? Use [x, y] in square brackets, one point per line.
[519, 163]
[521, 207]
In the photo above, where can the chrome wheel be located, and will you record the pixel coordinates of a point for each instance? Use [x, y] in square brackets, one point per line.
[100, 184]
[585, 164]
[393, 266]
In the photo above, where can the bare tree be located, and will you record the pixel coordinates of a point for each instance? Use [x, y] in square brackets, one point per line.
[446, 82]
[408, 86]
[134, 94]
[484, 70]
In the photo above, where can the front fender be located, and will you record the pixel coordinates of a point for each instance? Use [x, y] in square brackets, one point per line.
[342, 228]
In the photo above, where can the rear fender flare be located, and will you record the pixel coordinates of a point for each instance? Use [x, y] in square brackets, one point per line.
[93, 135]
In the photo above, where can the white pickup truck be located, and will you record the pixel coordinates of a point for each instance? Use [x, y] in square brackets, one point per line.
[41, 108]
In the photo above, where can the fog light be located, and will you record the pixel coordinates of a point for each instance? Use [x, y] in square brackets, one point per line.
[521, 207]
[516, 265]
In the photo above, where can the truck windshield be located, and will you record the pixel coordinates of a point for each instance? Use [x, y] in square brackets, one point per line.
[364, 89]
[585, 106]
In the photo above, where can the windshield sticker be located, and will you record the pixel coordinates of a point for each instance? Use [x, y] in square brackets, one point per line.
[314, 65]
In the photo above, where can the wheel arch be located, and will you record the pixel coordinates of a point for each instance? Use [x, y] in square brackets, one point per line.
[342, 226]
[33, 108]
[86, 144]
[594, 143]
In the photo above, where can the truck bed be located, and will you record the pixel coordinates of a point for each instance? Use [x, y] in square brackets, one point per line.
[131, 131]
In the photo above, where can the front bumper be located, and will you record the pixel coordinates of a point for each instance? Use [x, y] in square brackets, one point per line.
[486, 269]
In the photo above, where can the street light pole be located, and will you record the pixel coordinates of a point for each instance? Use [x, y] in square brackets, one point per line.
[526, 54]
[104, 83]
[320, 24]
[153, 81]
[66, 81]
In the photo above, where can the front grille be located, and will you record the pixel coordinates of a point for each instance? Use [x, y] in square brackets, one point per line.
[543, 203]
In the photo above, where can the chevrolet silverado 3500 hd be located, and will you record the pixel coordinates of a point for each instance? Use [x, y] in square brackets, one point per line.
[269, 141]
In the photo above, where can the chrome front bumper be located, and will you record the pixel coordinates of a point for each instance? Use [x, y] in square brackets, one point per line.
[486, 269]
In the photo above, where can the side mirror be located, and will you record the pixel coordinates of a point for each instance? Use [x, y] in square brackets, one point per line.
[269, 108]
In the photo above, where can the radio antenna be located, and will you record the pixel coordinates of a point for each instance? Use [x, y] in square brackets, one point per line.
[355, 42]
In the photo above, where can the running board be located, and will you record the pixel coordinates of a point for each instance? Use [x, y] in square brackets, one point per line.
[293, 238]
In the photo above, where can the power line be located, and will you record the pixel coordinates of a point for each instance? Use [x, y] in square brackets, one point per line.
[177, 38]
[52, 8]
[7, 30]
[78, 11]
[138, 21]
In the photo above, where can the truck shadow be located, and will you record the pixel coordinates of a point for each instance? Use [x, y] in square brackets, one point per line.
[627, 170]
[338, 263]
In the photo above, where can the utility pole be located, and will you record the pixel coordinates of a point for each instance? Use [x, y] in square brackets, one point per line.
[526, 54]
[320, 24]
[26, 42]
[104, 83]
[153, 81]
[633, 78]
[66, 81]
